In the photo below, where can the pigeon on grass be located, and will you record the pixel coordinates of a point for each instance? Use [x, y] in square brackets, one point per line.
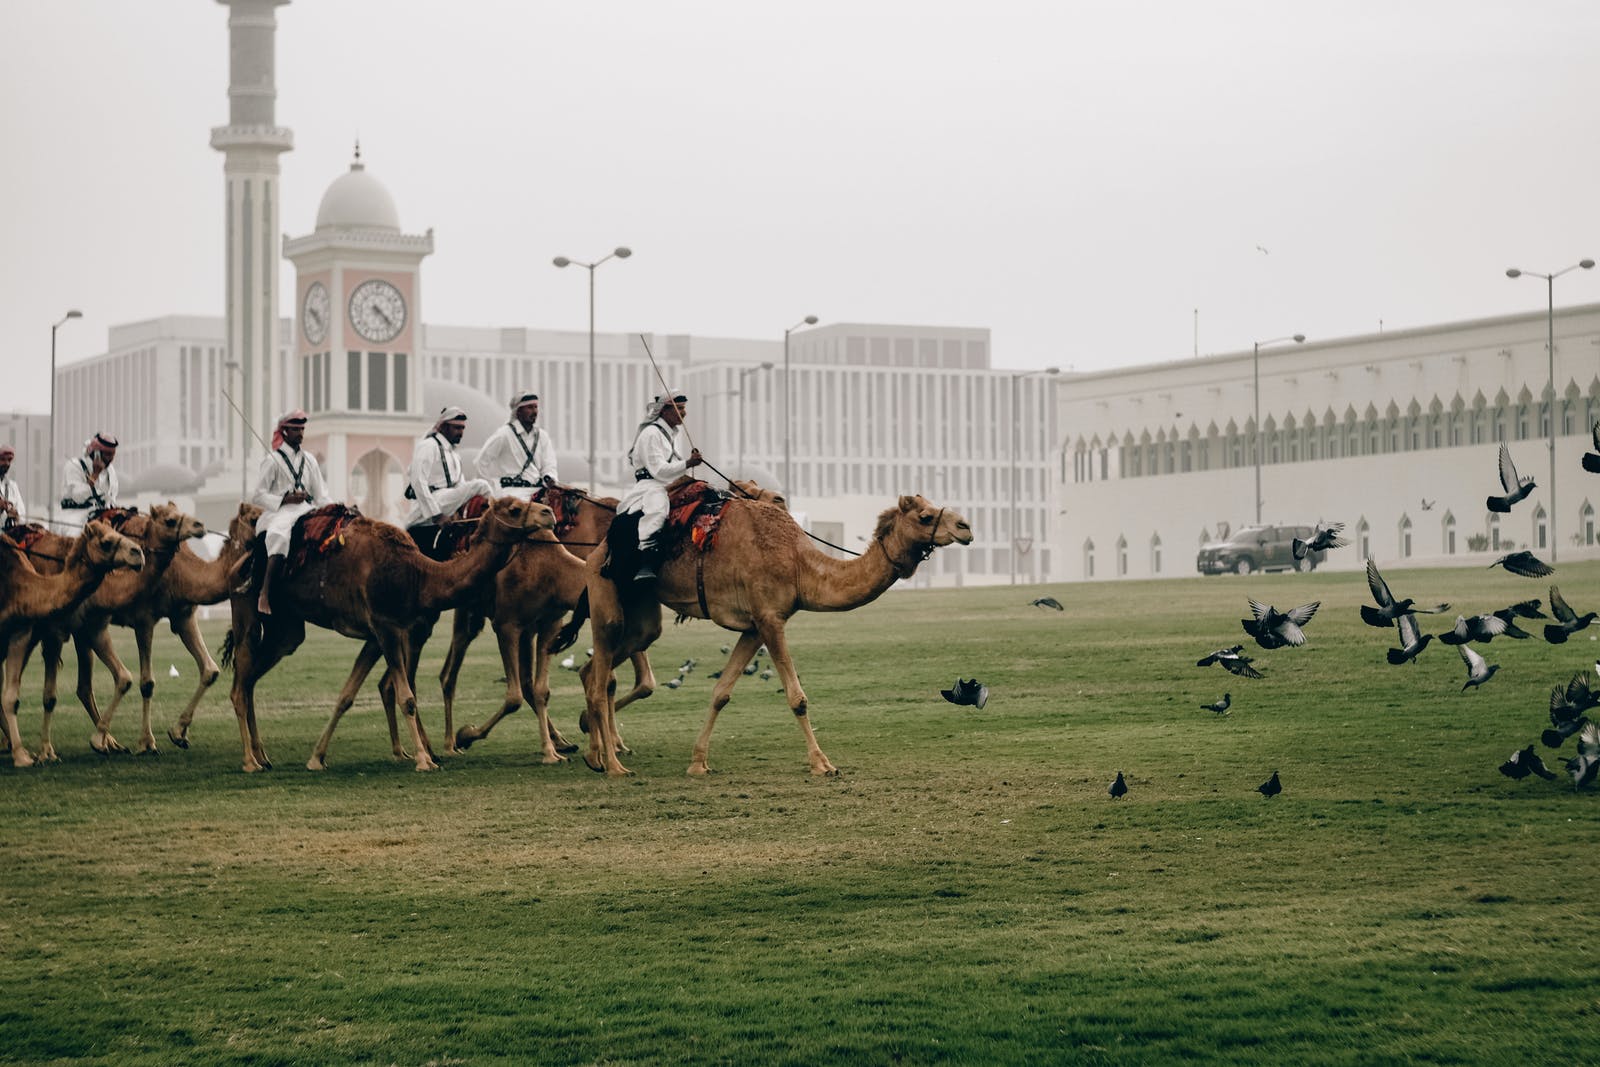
[1232, 661]
[1220, 706]
[1271, 787]
[970, 692]
[1119, 788]
[1389, 608]
[1525, 762]
[1516, 488]
[1568, 622]
[1325, 537]
[1277, 629]
[1047, 602]
[1524, 563]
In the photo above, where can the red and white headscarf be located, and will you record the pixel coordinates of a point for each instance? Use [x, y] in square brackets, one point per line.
[100, 442]
[7, 453]
[450, 413]
[288, 418]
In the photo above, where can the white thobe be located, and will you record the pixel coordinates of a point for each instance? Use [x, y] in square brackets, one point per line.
[80, 497]
[510, 452]
[282, 470]
[658, 458]
[11, 493]
[436, 480]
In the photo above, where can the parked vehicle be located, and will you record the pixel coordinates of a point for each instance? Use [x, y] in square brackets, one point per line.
[1258, 548]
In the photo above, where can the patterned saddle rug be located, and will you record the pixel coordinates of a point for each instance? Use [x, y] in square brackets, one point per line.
[26, 535]
[694, 510]
[117, 518]
[451, 538]
[318, 533]
[566, 502]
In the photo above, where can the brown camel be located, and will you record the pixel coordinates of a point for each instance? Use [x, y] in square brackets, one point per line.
[376, 587]
[160, 533]
[28, 598]
[530, 597]
[761, 571]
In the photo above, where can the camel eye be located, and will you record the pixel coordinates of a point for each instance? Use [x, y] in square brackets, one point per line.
[926, 520]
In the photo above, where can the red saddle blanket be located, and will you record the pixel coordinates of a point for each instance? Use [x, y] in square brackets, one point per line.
[116, 517]
[451, 538]
[565, 501]
[26, 536]
[694, 509]
[318, 533]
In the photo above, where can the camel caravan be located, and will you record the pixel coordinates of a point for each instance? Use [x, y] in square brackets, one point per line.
[515, 549]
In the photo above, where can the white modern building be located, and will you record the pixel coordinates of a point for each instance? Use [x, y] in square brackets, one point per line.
[1395, 434]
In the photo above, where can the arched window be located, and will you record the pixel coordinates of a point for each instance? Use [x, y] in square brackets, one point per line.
[1088, 558]
[1364, 538]
[1405, 537]
[1494, 533]
[1586, 523]
[1449, 530]
[1122, 556]
[1541, 528]
[1155, 553]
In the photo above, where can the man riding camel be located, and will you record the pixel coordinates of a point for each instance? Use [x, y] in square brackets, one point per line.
[436, 484]
[289, 485]
[519, 457]
[89, 483]
[658, 457]
[12, 510]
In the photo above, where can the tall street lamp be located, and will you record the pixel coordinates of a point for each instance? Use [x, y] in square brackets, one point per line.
[788, 478]
[51, 474]
[233, 366]
[1016, 429]
[562, 261]
[1255, 438]
[739, 392]
[1550, 349]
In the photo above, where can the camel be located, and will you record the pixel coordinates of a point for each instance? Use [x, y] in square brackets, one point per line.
[28, 597]
[761, 572]
[160, 533]
[378, 587]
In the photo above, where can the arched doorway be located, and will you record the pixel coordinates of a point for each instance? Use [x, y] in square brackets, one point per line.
[378, 485]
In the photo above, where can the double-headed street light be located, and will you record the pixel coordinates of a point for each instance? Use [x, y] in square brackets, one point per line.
[1256, 436]
[739, 392]
[562, 261]
[788, 479]
[51, 477]
[1016, 429]
[1550, 342]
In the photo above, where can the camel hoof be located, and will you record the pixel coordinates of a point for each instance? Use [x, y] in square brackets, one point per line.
[619, 771]
[428, 766]
[552, 758]
[698, 770]
[594, 764]
[20, 758]
[563, 745]
[105, 744]
[315, 764]
[826, 771]
[47, 754]
[147, 749]
[623, 750]
[466, 736]
[181, 740]
[253, 768]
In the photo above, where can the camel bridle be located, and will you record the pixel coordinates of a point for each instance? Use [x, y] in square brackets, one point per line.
[922, 552]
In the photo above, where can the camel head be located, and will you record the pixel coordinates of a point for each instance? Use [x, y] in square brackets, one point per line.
[509, 518]
[170, 525]
[108, 549]
[750, 489]
[242, 527]
[920, 522]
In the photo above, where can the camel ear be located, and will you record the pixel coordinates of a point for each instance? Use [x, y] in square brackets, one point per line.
[908, 503]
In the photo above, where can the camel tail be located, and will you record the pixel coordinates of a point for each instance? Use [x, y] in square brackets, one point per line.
[569, 633]
[225, 657]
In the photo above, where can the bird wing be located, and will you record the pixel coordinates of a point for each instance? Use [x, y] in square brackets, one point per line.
[1260, 610]
[1240, 665]
[1528, 565]
[1475, 663]
[1527, 609]
[1408, 631]
[1508, 470]
[1558, 606]
[1302, 614]
[1460, 628]
[1437, 609]
[1489, 625]
[1379, 587]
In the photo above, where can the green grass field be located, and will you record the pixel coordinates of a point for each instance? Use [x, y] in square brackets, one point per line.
[965, 891]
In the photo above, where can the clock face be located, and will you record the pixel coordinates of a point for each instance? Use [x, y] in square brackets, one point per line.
[314, 313]
[377, 310]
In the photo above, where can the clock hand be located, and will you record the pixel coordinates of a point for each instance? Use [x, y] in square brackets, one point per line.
[387, 321]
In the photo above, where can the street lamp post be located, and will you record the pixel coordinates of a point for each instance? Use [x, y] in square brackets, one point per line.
[233, 366]
[1256, 435]
[1550, 350]
[1016, 430]
[739, 392]
[562, 261]
[788, 477]
[50, 474]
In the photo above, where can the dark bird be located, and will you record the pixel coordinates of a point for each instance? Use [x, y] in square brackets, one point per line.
[673, 683]
[1515, 488]
[1273, 628]
[1524, 563]
[1389, 608]
[1585, 766]
[1230, 658]
[1569, 702]
[1591, 460]
[1478, 669]
[1527, 609]
[1557, 735]
[1047, 602]
[1271, 787]
[1525, 762]
[1412, 642]
[1325, 537]
[1512, 629]
[1427, 505]
[1568, 622]
[1220, 706]
[967, 692]
[1483, 628]
[1119, 788]
[752, 666]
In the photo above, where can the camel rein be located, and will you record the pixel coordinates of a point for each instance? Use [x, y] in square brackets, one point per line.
[923, 552]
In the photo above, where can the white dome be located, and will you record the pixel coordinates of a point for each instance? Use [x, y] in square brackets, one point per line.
[357, 201]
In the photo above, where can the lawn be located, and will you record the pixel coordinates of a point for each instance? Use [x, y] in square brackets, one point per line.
[965, 891]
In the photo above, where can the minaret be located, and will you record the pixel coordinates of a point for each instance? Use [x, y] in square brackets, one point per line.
[250, 144]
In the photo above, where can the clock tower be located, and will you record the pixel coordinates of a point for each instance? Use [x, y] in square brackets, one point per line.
[357, 338]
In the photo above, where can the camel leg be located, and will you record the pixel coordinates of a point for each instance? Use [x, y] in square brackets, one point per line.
[461, 635]
[121, 680]
[142, 637]
[644, 681]
[249, 664]
[535, 653]
[50, 651]
[599, 686]
[396, 650]
[777, 643]
[188, 631]
[11, 694]
[366, 659]
[743, 652]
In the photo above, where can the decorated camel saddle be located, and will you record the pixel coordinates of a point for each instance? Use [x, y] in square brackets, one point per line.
[318, 533]
[566, 501]
[694, 510]
[452, 537]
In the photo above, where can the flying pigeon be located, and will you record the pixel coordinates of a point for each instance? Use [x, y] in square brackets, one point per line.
[964, 692]
[1119, 788]
[1567, 704]
[1586, 764]
[1483, 628]
[1427, 505]
[1325, 537]
[1567, 622]
[1591, 460]
[1478, 669]
[1411, 641]
[1047, 602]
[1271, 787]
[1525, 762]
[1557, 735]
[1527, 609]
[1512, 629]
[1389, 608]
[1220, 706]
[1524, 563]
[1273, 628]
[1230, 658]
[1515, 488]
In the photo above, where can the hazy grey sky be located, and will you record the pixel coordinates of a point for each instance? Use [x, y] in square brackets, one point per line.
[1077, 177]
